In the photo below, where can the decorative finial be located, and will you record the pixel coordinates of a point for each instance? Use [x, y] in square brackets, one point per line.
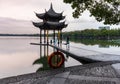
[45, 10]
[34, 12]
[51, 7]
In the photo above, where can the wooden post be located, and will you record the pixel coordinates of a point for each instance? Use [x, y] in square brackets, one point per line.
[58, 37]
[47, 37]
[47, 43]
[61, 38]
[40, 43]
[44, 42]
[54, 39]
[40, 36]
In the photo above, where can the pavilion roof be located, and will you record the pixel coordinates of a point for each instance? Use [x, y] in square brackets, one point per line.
[51, 14]
[50, 25]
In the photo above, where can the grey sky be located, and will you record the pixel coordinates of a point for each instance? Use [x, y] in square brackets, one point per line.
[22, 13]
[24, 9]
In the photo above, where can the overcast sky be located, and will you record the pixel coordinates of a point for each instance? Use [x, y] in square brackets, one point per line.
[16, 16]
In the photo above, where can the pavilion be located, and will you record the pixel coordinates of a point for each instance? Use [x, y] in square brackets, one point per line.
[51, 21]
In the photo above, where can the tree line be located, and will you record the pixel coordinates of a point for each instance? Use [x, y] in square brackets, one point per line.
[94, 34]
[101, 43]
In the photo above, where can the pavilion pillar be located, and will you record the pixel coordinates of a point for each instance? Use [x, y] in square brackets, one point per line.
[61, 38]
[44, 42]
[47, 37]
[54, 39]
[58, 38]
[47, 43]
[40, 36]
[40, 42]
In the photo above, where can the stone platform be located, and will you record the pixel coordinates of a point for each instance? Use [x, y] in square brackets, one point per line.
[94, 73]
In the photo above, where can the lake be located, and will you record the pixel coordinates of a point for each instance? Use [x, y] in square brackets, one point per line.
[17, 55]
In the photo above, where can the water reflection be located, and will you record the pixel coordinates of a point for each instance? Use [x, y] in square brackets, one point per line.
[17, 56]
[101, 43]
[42, 60]
[46, 60]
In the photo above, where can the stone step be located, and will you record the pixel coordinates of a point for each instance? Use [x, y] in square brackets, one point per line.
[97, 79]
[66, 78]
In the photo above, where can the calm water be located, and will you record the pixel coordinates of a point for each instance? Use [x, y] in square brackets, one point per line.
[17, 55]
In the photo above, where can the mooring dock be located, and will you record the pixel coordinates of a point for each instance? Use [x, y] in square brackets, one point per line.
[88, 58]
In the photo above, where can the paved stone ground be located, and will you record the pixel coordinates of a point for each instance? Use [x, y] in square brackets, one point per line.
[95, 73]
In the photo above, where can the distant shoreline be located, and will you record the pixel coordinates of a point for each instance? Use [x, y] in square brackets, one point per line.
[31, 35]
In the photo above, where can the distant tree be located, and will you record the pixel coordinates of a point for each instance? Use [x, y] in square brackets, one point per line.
[103, 10]
[94, 34]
